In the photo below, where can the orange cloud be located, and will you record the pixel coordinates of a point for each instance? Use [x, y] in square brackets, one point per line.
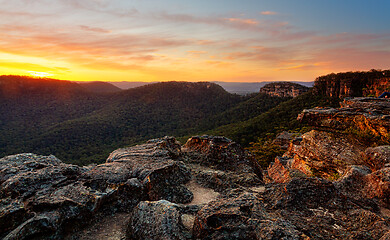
[250, 22]
[219, 63]
[196, 53]
[268, 13]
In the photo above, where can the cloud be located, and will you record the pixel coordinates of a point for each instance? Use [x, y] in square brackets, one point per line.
[205, 42]
[31, 67]
[269, 55]
[302, 67]
[349, 59]
[268, 13]
[76, 47]
[219, 63]
[196, 53]
[221, 21]
[276, 29]
[98, 30]
[243, 21]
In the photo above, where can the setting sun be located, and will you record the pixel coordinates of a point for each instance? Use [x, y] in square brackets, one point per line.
[250, 41]
[39, 74]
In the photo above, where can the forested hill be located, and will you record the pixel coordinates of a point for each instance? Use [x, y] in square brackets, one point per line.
[100, 87]
[47, 116]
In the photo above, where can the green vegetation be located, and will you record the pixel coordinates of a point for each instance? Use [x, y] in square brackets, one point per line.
[367, 137]
[282, 117]
[371, 83]
[47, 116]
[265, 151]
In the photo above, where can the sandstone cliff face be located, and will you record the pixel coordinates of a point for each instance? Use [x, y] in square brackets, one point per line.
[369, 115]
[283, 89]
[346, 173]
[329, 152]
[353, 84]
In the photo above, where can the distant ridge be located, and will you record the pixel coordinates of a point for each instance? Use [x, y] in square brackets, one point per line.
[127, 85]
[243, 88]
[100, 87]
[284, 89]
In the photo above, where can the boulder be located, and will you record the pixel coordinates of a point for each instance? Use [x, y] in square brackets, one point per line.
[222, 181]
[157, 220]
[152, 164]
[12, 214]
[240, 217]
[352, 182]
[324, 154]
[281, 170]
[37, 227]
[378, 157]
[368, 188]
[378, 185]
[222, 154]
[284, 138]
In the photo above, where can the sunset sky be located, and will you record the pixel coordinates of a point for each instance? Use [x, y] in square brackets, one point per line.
[202, 40]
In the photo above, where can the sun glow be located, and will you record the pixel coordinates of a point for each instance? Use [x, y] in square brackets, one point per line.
[40, 74]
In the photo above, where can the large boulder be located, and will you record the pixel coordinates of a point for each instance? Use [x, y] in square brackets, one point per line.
[240, 217]
[222, 154]
[153, 165]
[324, 154]
[157, 220]
[371, 188]
[281, 170]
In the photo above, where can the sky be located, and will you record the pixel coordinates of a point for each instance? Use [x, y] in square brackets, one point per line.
[202, 40]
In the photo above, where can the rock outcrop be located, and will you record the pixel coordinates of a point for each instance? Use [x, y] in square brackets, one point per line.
[359, 170]
[353, 84]
[367, 115]
[43, 197]
[283, 89]
[221, 164]
[222, 154]
[157, 220]
[284, 138]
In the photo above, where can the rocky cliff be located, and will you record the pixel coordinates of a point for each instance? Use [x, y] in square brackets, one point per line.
[369, 116]
[283, 89]
[353, 84]
[326, 186]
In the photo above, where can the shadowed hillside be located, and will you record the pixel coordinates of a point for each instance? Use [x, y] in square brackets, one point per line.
[58, 117]
[100, 87]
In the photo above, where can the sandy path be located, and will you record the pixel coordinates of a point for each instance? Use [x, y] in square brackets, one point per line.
[201, 194]
[113, 227]
[108, 228]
